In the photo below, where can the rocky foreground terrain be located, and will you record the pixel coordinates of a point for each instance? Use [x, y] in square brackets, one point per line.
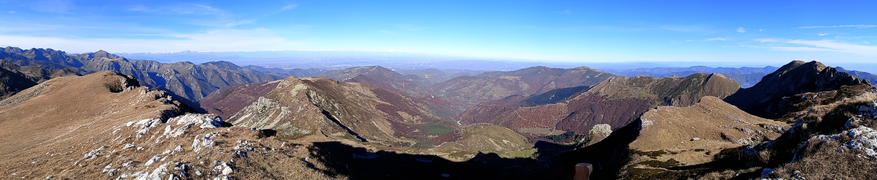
[803, 121]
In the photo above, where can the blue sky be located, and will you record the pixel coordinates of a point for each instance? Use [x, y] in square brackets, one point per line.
[753, 32]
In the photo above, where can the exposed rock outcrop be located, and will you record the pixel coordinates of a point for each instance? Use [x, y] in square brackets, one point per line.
[299, 107]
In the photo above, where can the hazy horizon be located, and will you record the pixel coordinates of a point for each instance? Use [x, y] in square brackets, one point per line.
[674, 34]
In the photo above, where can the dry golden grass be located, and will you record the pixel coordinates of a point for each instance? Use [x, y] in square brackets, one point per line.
[51, 133]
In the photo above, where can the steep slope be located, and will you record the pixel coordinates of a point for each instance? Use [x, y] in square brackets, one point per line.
[103, 126]
[746, 76]
[696, 134]
[15, 78]
[408, 85]
[185, 81]
[672, 91]
[49, 111]
[300, 107]
[714, 122]
[11, 83]
[611, 104]
[793, 78]
[229, 100]
[473, 90]
[860, 74]
[832, 135]
[435, 76]
[380, 77]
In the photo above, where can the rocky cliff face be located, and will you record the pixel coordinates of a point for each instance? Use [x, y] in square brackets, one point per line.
[797, 77]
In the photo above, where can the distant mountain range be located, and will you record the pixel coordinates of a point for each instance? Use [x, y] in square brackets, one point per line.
[746, 76]
[86, 116]
[185, 81]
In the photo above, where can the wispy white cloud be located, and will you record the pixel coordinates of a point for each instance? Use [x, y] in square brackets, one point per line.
[288, 7]
[821, 45]
[866, 42]
[685, 28]
[741, 30]
[715, 39]
[220, 17]
[839, 26]
[214, 40]
[11, 12]
[411, 27]
[823, 34]
[195, 9]
[798, 49]
[840, 47]
[768, 40]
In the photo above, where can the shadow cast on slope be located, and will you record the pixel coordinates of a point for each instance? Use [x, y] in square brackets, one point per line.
[359, 163]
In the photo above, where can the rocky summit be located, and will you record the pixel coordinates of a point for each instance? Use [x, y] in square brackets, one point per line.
[63, 117]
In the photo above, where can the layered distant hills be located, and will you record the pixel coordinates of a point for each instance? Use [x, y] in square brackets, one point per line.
[89, 116]
[186, 81]
[746, 76]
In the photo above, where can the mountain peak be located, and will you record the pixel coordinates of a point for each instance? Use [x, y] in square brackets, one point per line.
[793, 78]
[103, 54]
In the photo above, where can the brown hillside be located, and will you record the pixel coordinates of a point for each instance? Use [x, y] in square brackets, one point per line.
[716, 125]
[671, 91]
[50, 111]
[473, 90]
[11, 83]
[380, 77]
[229, 100]
[300, 107]
[614, 102]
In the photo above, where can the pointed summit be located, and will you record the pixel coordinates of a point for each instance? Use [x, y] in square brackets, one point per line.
[793, 78]
[103, 54]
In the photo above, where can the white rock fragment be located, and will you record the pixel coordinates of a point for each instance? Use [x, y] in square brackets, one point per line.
[155, 175]
[695, 139]
[178, 149]
[862, 138]
[49, 177]
[227, 170]
[107, 168]
[94, 153]
[202, 120]
[153, 159]
[203, 143]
